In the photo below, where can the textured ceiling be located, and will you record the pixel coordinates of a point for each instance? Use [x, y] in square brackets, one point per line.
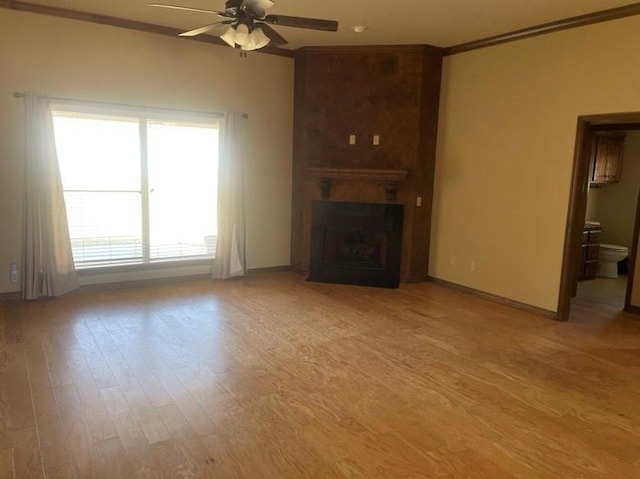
[440, 23]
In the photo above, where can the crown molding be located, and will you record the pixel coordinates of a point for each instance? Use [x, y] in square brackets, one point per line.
[556, 26]
[359, 49]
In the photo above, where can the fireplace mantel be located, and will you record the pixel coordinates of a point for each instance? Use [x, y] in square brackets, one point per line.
[390, 178]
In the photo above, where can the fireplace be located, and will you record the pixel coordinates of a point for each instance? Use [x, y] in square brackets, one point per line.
[356, 243]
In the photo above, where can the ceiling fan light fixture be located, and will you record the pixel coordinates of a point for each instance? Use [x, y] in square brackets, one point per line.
[257, 40]
[260, 38]
[242, 34]
[251, 44]
[229, 37]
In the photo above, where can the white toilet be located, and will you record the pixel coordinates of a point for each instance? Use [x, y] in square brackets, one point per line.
[608, 258]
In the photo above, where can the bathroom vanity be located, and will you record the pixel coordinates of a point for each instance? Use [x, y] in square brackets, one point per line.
[588, 268]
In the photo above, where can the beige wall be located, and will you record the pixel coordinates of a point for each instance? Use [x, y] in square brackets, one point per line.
[505, 152]
[614, 205]
[71, 59]
[593, 198]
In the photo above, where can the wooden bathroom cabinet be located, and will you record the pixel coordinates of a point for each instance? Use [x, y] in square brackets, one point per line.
[607, 157]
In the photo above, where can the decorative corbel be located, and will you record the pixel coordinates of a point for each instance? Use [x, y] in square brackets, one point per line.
[325, 188]
[391, 191]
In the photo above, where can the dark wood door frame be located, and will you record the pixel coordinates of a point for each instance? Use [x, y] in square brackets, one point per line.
[587, 125]
[632, 261]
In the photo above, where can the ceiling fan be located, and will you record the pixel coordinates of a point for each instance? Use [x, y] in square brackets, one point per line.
[246, 24]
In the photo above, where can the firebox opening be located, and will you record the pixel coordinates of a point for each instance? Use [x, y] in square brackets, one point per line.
[356, 243]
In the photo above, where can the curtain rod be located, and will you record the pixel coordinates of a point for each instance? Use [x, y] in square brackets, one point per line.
[20, 94]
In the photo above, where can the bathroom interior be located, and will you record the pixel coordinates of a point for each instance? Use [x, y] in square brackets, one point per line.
[610, 219]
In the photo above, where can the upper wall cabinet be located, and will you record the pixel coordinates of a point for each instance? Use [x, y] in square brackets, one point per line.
[607, 157]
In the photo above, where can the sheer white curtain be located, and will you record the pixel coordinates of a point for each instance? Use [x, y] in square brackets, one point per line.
[47, 263]
[230, 257]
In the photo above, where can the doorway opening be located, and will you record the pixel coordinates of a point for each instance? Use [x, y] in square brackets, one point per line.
[580, 252]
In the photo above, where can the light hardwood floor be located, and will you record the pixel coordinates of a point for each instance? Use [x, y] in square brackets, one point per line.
[274, 377]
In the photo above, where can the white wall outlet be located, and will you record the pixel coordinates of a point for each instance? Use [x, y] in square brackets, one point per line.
[376, 140]
[352, 139]
[473, 266]
[419, 201]
[14, 273]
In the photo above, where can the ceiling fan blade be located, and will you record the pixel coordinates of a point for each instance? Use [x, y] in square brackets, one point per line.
[301, 22]
[188, 9]
[204, 29]
[274, 36]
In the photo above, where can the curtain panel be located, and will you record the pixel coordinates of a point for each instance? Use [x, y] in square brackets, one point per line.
[230, 256]
[47, 262]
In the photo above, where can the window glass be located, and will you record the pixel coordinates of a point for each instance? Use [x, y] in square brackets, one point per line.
[183, 166]
[138, 189]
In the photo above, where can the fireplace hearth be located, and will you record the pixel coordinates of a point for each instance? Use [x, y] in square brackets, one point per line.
[356, 243]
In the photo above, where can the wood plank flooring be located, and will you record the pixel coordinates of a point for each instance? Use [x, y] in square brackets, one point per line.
[274, 377]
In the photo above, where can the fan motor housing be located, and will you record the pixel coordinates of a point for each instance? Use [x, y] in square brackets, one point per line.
[233, 6]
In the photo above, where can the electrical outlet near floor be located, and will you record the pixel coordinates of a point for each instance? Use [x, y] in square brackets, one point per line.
[14, 272]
